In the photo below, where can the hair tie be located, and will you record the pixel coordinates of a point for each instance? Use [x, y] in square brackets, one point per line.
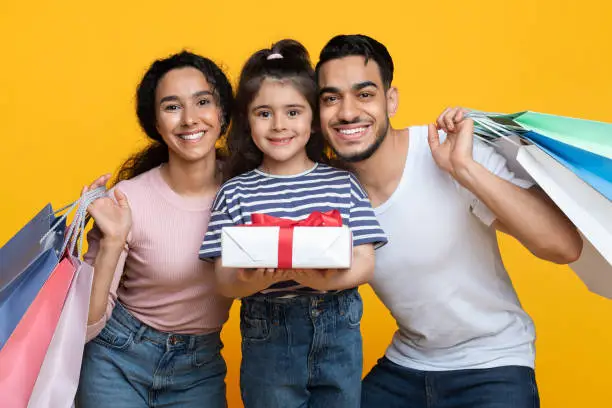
[275, 55]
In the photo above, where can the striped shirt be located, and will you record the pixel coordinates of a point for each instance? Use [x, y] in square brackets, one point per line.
[295, 197]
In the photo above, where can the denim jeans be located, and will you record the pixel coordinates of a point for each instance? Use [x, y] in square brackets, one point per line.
[301, 352]
[392, 386]
[129, 364]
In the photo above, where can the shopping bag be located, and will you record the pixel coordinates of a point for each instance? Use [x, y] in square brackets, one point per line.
[17, 297]
[590, 212]
[28, 244]
[594, 169]
[58, 379]
[583, 146]
[27, 260]
[23, 355]
[587, 135]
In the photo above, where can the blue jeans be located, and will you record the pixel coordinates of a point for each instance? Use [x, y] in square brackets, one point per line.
[133, 365]
[392, 386]
[301, 352]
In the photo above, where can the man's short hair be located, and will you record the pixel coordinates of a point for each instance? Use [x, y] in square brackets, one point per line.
[358, 45]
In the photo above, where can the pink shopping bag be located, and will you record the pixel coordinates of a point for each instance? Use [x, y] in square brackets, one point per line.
[22, 356]
[58, 379]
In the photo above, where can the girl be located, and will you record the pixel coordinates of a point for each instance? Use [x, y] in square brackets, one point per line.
[155, 315]
[300, 328]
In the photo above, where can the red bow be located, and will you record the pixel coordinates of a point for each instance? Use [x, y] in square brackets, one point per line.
[285, 237]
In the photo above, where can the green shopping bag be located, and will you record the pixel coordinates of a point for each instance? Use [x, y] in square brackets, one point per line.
[589, 135]
[582, 146]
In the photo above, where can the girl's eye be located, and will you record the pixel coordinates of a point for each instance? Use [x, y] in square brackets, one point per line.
[293, 113]
[203, 102]
[264, 114]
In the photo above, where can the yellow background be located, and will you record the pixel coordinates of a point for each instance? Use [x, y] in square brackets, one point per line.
[69, 70]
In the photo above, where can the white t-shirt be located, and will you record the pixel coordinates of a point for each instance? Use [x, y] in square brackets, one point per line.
[441, 274]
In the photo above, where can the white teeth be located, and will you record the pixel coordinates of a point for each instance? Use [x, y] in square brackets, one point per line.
[192, 137]
[351, 131]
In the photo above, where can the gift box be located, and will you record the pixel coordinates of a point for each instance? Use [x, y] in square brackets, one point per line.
[318, 242]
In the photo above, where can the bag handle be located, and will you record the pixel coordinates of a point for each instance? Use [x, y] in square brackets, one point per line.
[77, 226]
[491, 128]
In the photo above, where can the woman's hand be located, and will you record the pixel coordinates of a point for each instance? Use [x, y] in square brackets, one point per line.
[113, 218]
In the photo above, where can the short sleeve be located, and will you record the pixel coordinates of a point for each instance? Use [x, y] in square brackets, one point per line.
[362, 219]
[497, 164]
[219, 218]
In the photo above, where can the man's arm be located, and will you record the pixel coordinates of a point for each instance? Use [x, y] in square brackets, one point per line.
[526, 214]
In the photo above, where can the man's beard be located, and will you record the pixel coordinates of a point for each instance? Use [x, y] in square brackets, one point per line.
[369, 151]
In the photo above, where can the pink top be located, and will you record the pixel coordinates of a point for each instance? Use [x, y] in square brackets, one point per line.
[165, 284]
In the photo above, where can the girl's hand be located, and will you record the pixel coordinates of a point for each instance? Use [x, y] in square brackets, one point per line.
[316, 278]
[270, 275]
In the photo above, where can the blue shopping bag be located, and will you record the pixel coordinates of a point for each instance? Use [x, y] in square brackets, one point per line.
[28, 244]
[583, 146]
[27, 261]
[29, 258]
[594, 169]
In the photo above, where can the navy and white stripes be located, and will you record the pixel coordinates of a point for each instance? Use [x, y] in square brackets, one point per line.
[322, 188]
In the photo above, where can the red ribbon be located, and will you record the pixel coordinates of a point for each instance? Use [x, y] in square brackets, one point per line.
[285, 237]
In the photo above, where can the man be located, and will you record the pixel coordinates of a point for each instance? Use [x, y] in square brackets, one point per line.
[463, 340]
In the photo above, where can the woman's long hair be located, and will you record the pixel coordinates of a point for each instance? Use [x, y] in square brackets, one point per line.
[157, 151]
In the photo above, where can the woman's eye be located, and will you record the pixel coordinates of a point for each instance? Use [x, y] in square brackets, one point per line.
[171, 107]
[293, 113]
[203, 102]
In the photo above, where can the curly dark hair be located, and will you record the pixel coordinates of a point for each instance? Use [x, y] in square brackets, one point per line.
[157, 152]
[294, 66]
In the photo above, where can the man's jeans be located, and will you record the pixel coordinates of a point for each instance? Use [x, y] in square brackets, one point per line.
[392, 386]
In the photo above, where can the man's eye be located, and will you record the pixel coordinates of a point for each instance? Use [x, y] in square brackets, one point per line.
[330, 99]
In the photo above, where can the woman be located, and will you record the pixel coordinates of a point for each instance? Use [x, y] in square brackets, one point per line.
[155, 315]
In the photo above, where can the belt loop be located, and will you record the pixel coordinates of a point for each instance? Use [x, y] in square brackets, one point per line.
[192, 342]
[340, 297]
[139, 333]
[275, 315]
